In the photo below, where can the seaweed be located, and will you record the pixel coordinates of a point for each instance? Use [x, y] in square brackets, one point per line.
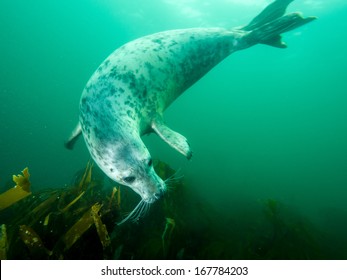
[3, 243]
[20, 191]
[79, 222]
[33, 242]
[47, 224]
[166, 236]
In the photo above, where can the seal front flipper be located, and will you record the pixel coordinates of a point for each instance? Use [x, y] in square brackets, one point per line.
[76, 133]
[174, 139]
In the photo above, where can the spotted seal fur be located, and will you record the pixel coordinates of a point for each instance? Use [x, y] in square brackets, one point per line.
[126, 96]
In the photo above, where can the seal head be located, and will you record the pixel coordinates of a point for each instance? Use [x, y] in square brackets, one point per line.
[131, 164]
[113, 139]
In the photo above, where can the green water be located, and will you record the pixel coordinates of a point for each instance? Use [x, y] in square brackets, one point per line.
[265, 123]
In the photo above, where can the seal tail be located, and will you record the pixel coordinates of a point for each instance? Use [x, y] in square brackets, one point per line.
[267, 27]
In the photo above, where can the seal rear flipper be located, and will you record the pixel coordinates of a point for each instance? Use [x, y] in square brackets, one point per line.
[174, 139]
[268, 26]
[273, 11]
[76, 133]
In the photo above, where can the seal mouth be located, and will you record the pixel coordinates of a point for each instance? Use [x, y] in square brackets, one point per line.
[151, 195]
[158, 195]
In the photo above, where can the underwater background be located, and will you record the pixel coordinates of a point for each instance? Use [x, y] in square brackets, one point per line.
[267, 126]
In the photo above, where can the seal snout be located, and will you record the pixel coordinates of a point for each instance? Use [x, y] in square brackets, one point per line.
[156, 193]
[159, 194]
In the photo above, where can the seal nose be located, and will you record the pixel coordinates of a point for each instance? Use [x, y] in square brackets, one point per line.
[159, 194]
[151, 197]
[160, 191]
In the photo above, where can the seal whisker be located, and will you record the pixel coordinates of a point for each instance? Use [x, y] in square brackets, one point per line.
[146, 208]
[173, 179]
[134, 212]
[140, 212]
[175, 175]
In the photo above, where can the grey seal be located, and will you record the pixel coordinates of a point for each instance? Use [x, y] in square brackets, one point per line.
[127, 95]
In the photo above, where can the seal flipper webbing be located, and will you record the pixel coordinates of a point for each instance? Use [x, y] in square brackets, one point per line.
[268, 26]
[76, 133]
[269, 33]
[273, 11]
[174, 139]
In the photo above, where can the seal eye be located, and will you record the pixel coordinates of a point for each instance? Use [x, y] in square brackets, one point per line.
[129, 179]
[149, 162]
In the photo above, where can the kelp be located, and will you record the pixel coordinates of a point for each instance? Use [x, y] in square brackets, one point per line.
[86, 178]
[79, 222]
[52, 221]
[100, 227]
[33, 242]
[3, 242]
[113, 198]
[166, 236]
[72, 202]
[83, 224]
[79, 228]
[53, 196]
[20, 191]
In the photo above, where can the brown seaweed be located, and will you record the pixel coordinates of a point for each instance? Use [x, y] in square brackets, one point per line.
[20, 191]
[78, 229]
[166, 236]
[100, 227]
[3, 242]
[78, 222]
[33, 241]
